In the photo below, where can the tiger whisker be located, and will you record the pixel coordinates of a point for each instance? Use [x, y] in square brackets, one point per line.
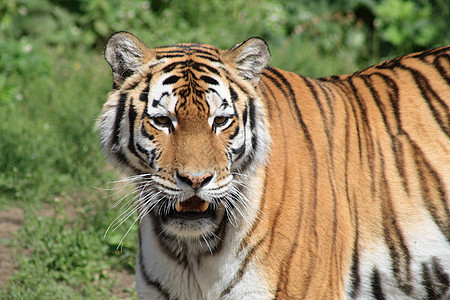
[206, 242]
[132, 206]
[121, 219]
[126, 233]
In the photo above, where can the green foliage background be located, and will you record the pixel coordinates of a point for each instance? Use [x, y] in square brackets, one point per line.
[53, 81]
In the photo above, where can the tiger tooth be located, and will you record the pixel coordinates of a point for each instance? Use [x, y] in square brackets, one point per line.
[204, 206]
[178, 207]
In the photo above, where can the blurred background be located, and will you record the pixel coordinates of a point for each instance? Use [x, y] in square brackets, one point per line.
[55, 203]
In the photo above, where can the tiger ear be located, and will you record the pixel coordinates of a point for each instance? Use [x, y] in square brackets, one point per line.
[249, 58]
[125, 53]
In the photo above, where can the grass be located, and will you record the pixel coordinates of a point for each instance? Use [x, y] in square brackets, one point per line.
[66, 254]
[50, 163]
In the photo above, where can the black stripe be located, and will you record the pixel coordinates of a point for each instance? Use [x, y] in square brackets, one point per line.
[435, 280]
[152, 158]
[240, 273]
[398, 250]
[170, 67]
[175, 51]
[313, 85]
[119, 115]
[251, 113]
[391, 129]
[144, 94]
[441, 277]
[211, 58]
[153, 283]
[150, 155]
[234, 134]
[364, 130]
[397, 128]
[436, 104]
[132, 118]
[331, 171]
[441, 63]
[118, 154]
[375, 284]
[394, 97]
[245, 117]
[209, 80]
[123, 160]
[291, 95]
[342, 88]
[170, 55]
[156, 101]
[171, 80]
[146, 134]
[239, 151]
[254, 141]
[200, 66]
[355, 278]
[428, 283]
[433, 192]
[185, 63]
[233, 95]
[206, 52]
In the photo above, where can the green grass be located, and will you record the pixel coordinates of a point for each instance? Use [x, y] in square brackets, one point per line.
[51, 161]
[66, 257]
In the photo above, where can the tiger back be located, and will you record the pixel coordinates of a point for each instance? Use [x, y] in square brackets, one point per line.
[258, 183]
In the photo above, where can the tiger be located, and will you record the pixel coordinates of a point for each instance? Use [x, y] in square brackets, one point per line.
[257, 183]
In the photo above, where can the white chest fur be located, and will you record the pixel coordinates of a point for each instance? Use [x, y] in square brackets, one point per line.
[223, 275]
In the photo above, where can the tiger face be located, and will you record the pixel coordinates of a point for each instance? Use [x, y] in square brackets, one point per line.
[189, 131]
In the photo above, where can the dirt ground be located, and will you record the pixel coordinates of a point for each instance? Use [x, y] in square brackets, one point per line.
[10, 222]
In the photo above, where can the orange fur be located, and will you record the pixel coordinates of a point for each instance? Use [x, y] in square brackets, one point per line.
[357, 175]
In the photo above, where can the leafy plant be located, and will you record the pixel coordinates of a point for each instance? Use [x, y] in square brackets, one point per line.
[405, 24]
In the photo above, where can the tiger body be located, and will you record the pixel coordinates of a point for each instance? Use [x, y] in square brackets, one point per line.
[258, 183]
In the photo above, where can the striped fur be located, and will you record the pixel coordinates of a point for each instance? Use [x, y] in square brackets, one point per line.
[326, 188]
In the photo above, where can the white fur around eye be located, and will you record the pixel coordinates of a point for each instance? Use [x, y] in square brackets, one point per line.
[220, 105]
[166, 102]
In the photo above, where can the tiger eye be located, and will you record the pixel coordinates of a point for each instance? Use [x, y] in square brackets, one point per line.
[219, 121]
[162, 120]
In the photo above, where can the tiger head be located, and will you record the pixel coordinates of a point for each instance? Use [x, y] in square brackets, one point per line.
[187, 123]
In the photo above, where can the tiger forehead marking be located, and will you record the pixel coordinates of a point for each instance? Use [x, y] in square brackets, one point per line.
[188, 86]
[258, 183]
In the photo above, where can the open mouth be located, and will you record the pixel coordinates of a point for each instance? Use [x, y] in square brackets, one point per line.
[191, 209]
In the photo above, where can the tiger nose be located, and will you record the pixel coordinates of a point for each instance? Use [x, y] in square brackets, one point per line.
[195, 180]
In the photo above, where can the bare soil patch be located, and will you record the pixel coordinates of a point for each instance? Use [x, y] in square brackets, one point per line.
[11, 220]
[124, 284]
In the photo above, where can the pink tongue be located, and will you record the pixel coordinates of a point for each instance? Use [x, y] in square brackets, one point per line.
[193, 204]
